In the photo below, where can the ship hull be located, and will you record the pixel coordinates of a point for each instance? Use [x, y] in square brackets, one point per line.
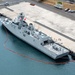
[33, 42]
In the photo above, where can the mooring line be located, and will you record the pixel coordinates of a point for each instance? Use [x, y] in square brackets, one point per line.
[22, 55]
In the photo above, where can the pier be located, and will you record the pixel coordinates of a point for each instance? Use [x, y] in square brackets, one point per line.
[59, 37]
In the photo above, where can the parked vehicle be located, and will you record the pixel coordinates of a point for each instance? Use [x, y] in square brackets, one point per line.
[6, 4]
[58, 5]
[69, 10]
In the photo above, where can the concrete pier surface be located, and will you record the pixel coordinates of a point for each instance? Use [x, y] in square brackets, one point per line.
[46, 17]
[46, 20]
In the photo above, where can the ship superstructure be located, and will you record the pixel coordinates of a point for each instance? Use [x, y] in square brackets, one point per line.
[27, 32]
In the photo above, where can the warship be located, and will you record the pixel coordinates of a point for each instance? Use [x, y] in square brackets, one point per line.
[36, 38]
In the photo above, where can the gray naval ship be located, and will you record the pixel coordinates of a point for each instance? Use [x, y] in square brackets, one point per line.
[27, 32]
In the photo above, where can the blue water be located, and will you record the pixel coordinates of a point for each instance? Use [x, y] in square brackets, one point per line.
[14, 64]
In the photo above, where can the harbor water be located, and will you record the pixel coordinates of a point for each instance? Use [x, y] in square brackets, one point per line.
[19, 58]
